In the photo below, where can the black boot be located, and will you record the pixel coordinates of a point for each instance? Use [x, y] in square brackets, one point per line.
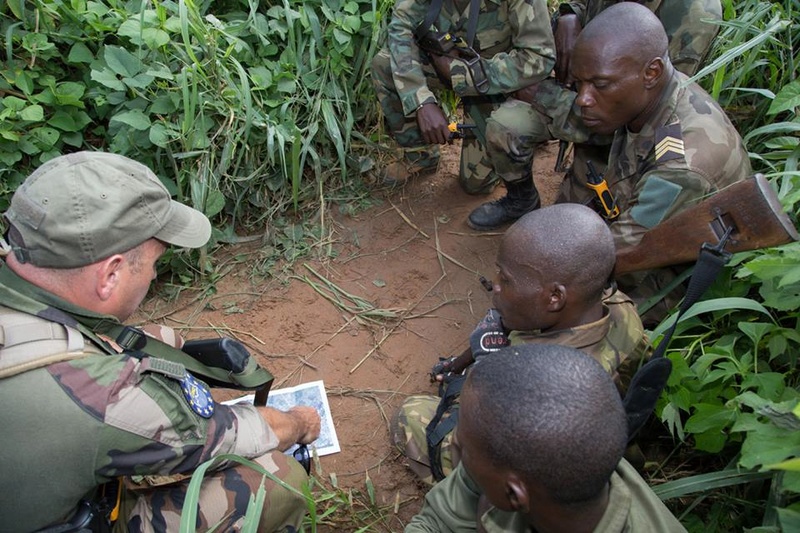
[521, 197]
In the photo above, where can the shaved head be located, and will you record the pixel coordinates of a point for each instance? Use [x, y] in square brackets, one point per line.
[621, 68]
[628, 30]
[568, 243]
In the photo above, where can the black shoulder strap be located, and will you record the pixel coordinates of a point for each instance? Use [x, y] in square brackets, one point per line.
[472, 25]
[438, 429]
[650, 380]
[430, 17]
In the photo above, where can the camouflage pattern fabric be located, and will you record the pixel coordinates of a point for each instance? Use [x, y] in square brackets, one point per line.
[99, 416]
[223, 500]
[617, 341]
[408, 435]
[515, 42]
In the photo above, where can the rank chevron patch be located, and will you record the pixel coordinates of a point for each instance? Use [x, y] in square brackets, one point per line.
[669, 143]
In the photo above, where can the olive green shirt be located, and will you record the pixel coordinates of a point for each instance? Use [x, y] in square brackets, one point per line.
[632, 508]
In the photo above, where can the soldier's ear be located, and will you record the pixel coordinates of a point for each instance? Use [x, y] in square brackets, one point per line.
[653, 72]
[556, 297]
[517, 494]
[108, 276]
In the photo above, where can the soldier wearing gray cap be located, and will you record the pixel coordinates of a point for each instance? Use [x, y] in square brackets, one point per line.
[83, 412]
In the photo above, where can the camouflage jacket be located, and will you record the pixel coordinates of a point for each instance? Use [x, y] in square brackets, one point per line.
[632, 506]
[687, 150]
[688, 23]
[617, 341]
[513, 37]
[96, 414]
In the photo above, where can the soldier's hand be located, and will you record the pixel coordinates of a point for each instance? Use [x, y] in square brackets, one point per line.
[441, 368]
[433, 124]
[298, 424]
[308, 423]
[567, 32]
[489, 336]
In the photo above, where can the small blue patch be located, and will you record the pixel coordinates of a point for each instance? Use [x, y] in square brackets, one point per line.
[197, 394]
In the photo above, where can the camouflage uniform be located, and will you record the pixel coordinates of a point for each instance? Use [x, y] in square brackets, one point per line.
[80, 415]
[515, 42]
[686, 151]
[617, 341]
[632, 506]
[554, 115]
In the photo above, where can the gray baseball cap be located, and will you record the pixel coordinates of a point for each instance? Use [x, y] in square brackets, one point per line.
[80, 208]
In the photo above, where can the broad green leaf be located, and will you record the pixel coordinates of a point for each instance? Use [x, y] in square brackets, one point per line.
[215, 201]
[791, 479]
[107, 78]
[706, 306]
[708, 417]
[787, 99]
[155, 38]
[122, 62]
[80, 53]
[44, 138]
[63, 121]
[14, 103]
[133, 118]
[72, 138]
[159, 135]
[769, 445]
[140, 81]
[789, 519]
[32, 113]
[70, 93]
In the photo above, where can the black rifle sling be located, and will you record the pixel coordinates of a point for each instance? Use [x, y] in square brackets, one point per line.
[438, 429]
[433, 13]
[650, 380]
[430, 18]
[472, 24]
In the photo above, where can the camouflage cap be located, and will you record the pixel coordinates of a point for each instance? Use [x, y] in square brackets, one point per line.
[80, 208]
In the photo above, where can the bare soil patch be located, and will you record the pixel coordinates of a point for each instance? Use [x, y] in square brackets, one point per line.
[414, 255]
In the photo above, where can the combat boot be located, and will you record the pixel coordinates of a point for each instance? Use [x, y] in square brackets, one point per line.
[521, 197]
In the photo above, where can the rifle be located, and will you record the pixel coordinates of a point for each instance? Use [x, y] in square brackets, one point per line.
[749, 210]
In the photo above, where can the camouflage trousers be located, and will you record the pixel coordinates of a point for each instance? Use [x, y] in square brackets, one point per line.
[408, 435]
[224, 497]
[479, 170]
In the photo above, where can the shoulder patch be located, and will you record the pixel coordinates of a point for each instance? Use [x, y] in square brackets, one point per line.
[655, 200]
[669, 143]
[197, 394]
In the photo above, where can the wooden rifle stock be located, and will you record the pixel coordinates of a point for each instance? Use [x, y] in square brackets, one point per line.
[750, 208]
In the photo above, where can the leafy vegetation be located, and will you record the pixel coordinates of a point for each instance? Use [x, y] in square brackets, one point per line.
[732, 400]
[245, 109]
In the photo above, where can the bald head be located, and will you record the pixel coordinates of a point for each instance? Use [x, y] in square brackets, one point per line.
[621, 68]
[626, 29]
[566, 243]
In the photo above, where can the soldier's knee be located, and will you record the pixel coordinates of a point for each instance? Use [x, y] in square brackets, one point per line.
[284, 507]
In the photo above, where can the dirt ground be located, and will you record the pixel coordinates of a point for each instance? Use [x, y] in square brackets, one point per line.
[412, 255]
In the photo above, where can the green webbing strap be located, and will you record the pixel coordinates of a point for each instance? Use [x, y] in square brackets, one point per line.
[252, 377]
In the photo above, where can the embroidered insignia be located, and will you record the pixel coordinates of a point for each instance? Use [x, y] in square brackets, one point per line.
[197, 395]
[669, 143]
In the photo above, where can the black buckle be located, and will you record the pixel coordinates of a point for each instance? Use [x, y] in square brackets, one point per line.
[131, 339]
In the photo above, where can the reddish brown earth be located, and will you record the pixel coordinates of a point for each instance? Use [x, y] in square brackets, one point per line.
[413, 255]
